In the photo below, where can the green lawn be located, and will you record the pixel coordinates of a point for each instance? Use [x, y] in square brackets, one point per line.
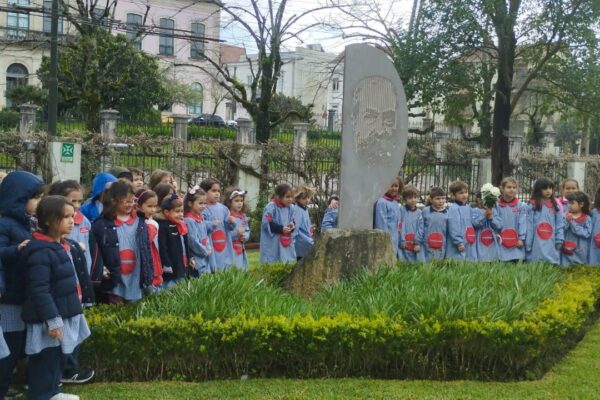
[575, 377]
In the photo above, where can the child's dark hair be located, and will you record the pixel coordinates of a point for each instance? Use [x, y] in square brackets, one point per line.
[113, 195]
[436, 192]
[143, 195]
[409, 192]
[332, 198]
[536, 196]
[597, 199]
[208, 183]
[282, 189]
[157, 176]
[581, 198]
[50, 212]
[228, 200]
[191, 196]
[136, 171]
[458, 186]
[162, 190]
[64, 188]
[171, 202]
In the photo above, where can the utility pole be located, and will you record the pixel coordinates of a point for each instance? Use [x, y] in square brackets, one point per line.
[53, 79]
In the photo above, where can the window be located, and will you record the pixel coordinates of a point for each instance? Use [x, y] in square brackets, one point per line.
[249, 80]
[98, 15]
[16, 75]
[48, 16]
[195, 108]
[335, 83]
[281, 81]
[197, 46]
[166, 40]
[17, 22]
[134, 21]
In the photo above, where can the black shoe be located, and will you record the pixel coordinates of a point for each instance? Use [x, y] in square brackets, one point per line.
[80, 376]
[14, 394]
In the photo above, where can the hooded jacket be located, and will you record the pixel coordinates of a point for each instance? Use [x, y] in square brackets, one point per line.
[15, 227]
[89, 208]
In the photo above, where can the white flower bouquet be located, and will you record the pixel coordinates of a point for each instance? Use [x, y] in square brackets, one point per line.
[489, 195]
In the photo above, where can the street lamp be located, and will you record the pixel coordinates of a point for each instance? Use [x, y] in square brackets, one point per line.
[53, 78]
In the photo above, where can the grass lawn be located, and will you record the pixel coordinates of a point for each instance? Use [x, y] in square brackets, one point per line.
[575, 377]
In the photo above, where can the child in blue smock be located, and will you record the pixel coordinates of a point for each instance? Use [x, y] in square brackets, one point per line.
[387, 216]
[304, 240]
[435, 226]
[594, 255]
[513, 214]
[578, 230]
[569, 185]
[123, 240]
[487, 224]
[330, 219]
[545, 224]
[240, 234]
[412, 227]
[461, 244]
[199, 244]
[216, 217]
[278, 228]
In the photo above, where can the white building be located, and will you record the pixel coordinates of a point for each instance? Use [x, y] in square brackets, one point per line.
[305, 74]
[25, 30]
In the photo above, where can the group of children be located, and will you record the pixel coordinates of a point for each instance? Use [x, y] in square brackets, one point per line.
[561, 230]
[59, 254]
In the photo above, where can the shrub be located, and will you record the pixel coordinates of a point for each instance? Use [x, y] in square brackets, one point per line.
[264, 343]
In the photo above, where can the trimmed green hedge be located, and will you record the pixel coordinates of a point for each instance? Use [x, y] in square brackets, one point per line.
[343, 345]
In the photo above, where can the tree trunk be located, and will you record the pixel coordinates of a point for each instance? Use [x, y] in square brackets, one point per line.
[502, 107]
[585, 137]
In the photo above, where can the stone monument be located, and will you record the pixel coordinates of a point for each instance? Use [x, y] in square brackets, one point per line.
[374, 139]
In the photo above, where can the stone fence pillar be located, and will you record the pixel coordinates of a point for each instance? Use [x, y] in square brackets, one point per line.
[250, 158]
[244, 133]
[548, 141]
[108, 124]
[576, 170]
[28, 112]
[180, 128]
[300, 138]
[441, 141]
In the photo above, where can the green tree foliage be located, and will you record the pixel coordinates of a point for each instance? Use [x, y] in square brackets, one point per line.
[289, 109]
[508, 34]
[21, 94]
[101, 70]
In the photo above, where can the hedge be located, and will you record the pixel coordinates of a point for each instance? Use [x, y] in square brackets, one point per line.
[344, 345]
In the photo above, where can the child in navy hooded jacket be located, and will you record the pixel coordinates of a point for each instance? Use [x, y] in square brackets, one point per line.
[20, 192]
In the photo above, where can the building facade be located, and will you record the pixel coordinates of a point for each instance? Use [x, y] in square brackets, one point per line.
[305, 75]
[180, 33]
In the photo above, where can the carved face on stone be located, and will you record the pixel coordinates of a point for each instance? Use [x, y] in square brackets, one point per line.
[374, 115]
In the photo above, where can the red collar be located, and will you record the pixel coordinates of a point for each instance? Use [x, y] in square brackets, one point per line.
[78, 219]
[512, 203]
[581, 218]
[547, 203]
[181, 226]
[130, 221]
[40, 236]
[240, 215]
[197, 218]
[385, 196]
[278, 203]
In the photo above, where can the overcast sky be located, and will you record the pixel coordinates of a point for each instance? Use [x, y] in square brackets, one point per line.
[330, 40]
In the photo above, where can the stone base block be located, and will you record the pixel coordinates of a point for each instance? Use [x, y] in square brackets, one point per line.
[339, 254]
